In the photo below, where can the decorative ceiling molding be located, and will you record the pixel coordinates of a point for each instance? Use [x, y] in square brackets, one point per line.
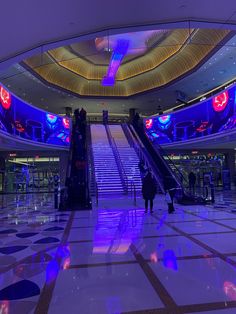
[175, 56]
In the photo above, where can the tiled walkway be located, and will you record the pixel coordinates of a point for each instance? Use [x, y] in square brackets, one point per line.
[116, 259]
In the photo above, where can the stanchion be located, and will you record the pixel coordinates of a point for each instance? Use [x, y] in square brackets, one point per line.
[135, 201]
[212, 193]
[56, 198]
[96, 185]
[56, 189]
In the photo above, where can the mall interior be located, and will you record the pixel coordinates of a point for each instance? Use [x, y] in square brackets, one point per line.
[118, 157]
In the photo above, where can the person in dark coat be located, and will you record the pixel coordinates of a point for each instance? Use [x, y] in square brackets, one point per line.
[136, 119]
[170, 189]
[149, 190]
[83, 114]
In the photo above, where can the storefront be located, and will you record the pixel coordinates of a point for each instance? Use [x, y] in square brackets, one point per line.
[200, 163]
[33, 173]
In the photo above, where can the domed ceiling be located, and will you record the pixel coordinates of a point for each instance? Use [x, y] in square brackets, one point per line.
[127, 64]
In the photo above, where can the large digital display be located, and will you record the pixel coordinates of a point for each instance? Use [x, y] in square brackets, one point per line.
[213, 115]
[21, 119]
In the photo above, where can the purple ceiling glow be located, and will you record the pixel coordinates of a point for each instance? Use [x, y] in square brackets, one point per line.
[123, 44]
[138, 41]
[117, 56]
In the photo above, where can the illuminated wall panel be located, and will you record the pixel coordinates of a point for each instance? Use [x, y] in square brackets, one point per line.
[214, 115]
[20, 119]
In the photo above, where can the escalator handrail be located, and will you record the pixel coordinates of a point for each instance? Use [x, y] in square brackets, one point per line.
[163, 161]
[112, 143]
[90, 158]
[179, 183]
[127, 134]
[69, 164]
[164, 153]
[120, 164]
[164, 164]
[143, 154]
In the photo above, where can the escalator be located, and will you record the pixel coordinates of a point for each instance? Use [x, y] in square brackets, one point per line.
[168, 176]
[77, 196]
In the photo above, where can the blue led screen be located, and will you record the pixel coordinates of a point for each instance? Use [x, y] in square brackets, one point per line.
[213, 115]
[20, 119]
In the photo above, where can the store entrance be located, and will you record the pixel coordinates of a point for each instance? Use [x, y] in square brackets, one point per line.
[29, 174]
[200, 165]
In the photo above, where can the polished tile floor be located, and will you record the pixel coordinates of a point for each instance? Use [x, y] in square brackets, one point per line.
[117, 259]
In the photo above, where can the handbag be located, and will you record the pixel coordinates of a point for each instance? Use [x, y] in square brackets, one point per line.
[168, 198]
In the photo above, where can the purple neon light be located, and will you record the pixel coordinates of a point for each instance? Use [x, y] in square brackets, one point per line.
[116, 58]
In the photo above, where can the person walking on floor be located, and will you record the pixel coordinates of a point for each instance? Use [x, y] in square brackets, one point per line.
[149, 190]
[170, 189]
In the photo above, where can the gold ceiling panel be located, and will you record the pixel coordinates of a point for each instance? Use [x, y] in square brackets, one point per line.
[146, 62]
[165, 63]
[78, 65]
[154, 57]
[56, 75]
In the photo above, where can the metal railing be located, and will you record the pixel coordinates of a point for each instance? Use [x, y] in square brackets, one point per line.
[133, 192]
[170, 164]
[96, 192]
[120, 166]
[91, 165]
[144, 155]
[119, 163]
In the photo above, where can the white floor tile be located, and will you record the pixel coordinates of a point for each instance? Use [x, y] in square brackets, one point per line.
[100, 252]
[200, 226]
[111, 289]
[195, 281]
[181, 246]
[222, 242]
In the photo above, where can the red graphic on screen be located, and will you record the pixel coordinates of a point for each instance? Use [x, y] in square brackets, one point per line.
[220, 101]
[148, 123]
[230, 290]
[5, 98]
[19, 127]
[202, 127]
[66, 123]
